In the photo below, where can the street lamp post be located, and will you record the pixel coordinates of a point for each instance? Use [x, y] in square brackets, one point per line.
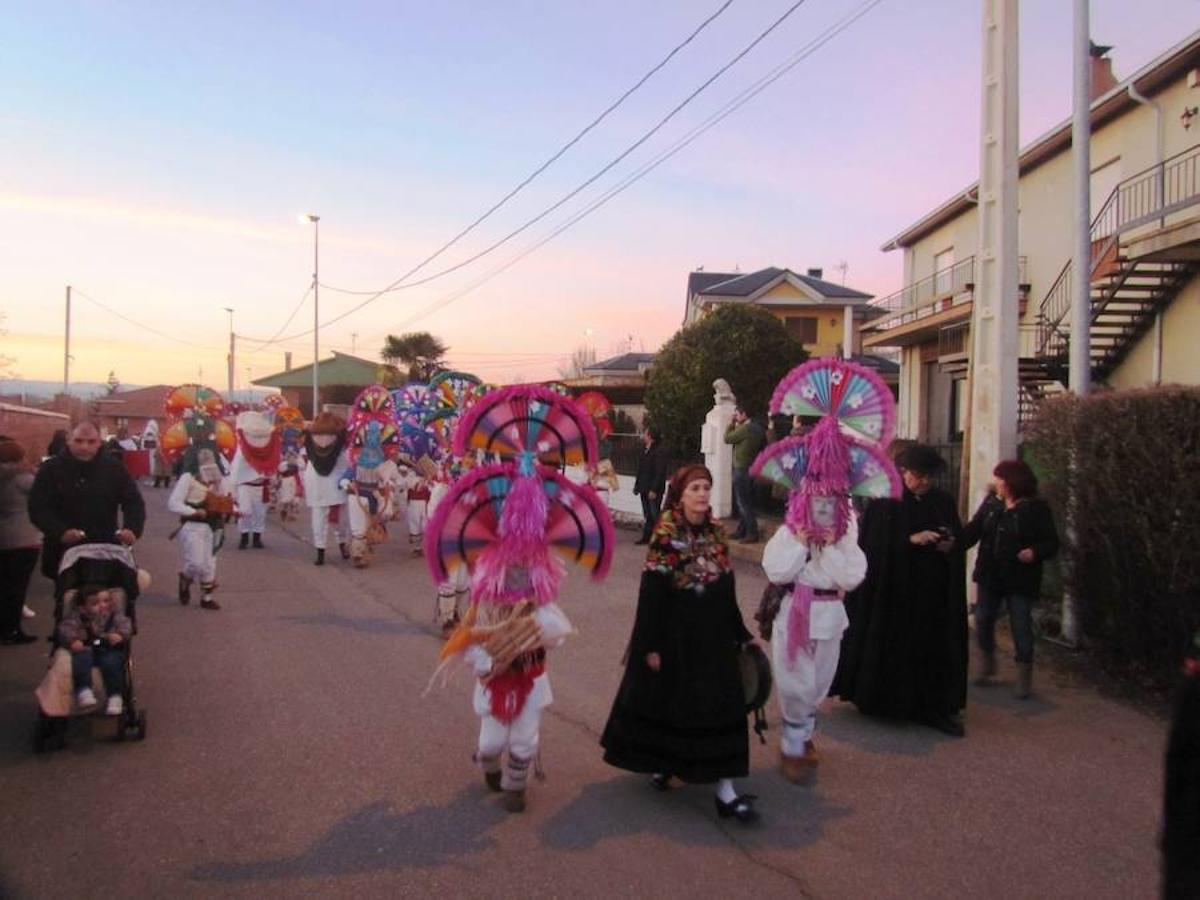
[316, 220]
[230, 361]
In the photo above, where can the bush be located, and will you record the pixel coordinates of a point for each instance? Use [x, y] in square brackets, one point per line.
[1132, 560]
[745, 345]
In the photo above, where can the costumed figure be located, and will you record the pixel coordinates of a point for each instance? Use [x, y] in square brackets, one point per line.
[417, 493]
[452, 592]
[814, 558]
[325, 447]
[372, 476]
[158, 466]
[289, 422]
[509, 524]
[255, 466]
[202, 498]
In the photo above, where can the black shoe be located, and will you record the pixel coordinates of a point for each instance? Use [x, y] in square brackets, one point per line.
[320, 560]
[185, 590]
[245, 541]
[258, 544]
[642, 541]
[740, 807]
[946, 724]
[17, 637]
[492, 780]
[345, 550]
[660, 782]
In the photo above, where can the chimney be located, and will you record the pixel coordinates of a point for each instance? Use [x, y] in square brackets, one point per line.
[816, 273]
[1102, 77]
[287, 361]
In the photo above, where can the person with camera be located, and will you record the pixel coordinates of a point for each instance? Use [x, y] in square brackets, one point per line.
[905, 652]
[747, 438]
[1015, 532]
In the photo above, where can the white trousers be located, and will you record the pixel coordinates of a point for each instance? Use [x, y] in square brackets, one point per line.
[801, 685]
[320, 525]
[520, 738]
[360, 518]
[416, 519]
[253, 511]
[196, 543]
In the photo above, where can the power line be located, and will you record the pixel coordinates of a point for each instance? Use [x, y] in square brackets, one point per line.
[728, 109]
[76, 292]
[396, 285]
[272, 338]
[558, 154]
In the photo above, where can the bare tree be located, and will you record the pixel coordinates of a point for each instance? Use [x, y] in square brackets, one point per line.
[582, 357]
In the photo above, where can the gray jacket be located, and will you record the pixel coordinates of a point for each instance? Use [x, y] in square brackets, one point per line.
[15, 528]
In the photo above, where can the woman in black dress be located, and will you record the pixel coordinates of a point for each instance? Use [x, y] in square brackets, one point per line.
[680, 711]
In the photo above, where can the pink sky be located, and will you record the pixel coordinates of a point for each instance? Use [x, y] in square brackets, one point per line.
[167, 185]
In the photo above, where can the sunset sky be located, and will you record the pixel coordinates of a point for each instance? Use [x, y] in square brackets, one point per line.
[157, 156]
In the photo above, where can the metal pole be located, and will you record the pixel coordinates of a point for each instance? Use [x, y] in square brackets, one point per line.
[230, 361]
[1081, 285]
[316, 220]
[67, 355]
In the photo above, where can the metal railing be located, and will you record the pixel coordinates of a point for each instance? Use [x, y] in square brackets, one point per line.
[931, 294]
[1148, 196]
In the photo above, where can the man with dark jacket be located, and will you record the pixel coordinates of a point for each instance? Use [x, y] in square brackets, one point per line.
[84, 495]
[747, 438]
[650, 481]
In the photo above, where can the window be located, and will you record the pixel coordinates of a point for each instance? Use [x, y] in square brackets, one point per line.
[802, 328]
[943, 264]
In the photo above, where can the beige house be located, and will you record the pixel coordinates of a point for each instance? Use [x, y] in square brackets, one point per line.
[823, 316]
[1145, 268]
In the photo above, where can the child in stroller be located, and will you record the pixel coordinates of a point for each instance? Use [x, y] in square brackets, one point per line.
[96, 633]
[86, 572]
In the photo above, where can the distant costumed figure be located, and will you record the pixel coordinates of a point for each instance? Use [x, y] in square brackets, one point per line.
[814, 559]
[203, 496]
[151, 440]
[289, 422]
[511, 524]
[372, 477]
[326, 461]
[255, 466]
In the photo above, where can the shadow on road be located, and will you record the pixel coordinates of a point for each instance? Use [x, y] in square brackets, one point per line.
[375, 838]
[364, 626]
[626, 805]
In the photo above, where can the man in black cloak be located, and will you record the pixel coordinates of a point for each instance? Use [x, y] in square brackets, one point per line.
[905, 652]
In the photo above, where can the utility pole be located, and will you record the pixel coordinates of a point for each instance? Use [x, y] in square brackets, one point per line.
[316, 385]
[995, 314]
[67, 355]
[230, 360]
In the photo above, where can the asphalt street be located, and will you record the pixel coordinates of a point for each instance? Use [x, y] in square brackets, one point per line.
[292, 750]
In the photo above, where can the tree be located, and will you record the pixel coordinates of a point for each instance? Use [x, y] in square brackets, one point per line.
[6, 362]
[114, 383]
[581, 358]
[745, 345]
[419, 351]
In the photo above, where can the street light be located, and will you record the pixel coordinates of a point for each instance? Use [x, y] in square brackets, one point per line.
[316, 220]
[229, 309]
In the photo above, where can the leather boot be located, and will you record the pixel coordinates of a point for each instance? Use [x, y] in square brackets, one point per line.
[244, 542]
[320, 560]
[185, 589]
[1024, 688]
[258, 544]
[987, 668]
[800, 769]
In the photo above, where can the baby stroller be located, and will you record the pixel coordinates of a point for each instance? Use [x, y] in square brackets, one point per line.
[111, 566]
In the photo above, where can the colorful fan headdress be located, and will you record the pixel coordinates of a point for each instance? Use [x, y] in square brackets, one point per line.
[513, 523]
[843, 455]
[372, 429]
[195, 420]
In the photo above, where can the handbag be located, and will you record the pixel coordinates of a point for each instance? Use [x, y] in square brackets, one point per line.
[756, 685]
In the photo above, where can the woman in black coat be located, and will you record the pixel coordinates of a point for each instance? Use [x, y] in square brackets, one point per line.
[1015, 532]
[680, 710]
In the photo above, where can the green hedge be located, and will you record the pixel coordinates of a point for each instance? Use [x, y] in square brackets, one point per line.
[1132, 551]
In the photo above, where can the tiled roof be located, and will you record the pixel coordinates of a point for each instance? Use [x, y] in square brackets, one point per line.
[145, 403]
[343, 370]
[745, 285]
[626, 362]
[698, 281]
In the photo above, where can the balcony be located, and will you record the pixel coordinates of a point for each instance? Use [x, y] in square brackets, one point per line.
[917, 313]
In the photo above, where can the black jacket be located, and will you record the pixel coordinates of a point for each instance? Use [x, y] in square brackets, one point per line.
[1001, 534]
[68, 493]
[651, 471]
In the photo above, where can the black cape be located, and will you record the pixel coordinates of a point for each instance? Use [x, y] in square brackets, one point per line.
[905, 652]
[689, 718]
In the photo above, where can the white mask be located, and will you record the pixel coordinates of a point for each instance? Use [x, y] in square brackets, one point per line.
[324, 440]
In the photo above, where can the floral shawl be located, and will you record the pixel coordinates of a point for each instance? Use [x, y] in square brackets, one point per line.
[694, 556]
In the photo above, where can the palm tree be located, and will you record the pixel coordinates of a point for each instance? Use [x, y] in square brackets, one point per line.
[420, 351]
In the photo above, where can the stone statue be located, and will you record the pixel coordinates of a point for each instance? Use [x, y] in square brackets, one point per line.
[722, 393]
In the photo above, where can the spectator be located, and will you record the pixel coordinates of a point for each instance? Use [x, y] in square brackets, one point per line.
[650, 481]
[84, 495]
[19, 541]
[747, 438]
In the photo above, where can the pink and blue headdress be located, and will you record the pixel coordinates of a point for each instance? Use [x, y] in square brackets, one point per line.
[843, 455]
[512, 523]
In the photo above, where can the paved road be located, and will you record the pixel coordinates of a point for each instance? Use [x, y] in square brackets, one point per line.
[291, 753]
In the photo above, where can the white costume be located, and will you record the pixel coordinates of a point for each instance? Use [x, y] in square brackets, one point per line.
[803, 681]
[326, 498]
[417, 495]
[252, 479]
[198, 539]
[450, 591]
